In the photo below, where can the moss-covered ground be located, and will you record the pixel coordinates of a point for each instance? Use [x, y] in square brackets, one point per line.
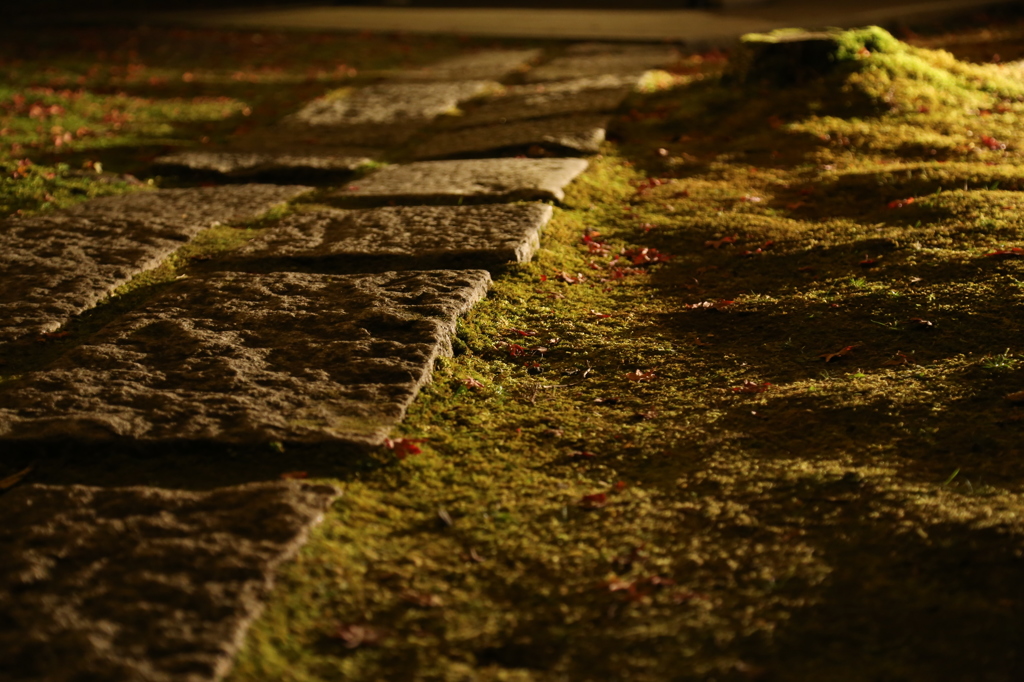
[754, 411]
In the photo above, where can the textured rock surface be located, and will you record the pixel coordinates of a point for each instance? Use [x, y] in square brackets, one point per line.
[575, 133]
[53, 266]
[487, 179]
[412, 237]
[250, 358]
[584, 62]
[580, 95]
[263, 165]
[384, 114]
[489, 65]
[129, 584]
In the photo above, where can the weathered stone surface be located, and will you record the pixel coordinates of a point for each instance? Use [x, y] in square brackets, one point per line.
[626, 61]
[575, 133]
[238, 357]
[384, 114]
[581, 95]
[247, 165]
[482, 179]
[406, 237]
[487, 65]
[129, 584]
[56, 265]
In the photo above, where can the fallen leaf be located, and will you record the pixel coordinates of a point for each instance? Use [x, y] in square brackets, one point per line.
[403, 447]
[992, 143]
[354, 636]
[829, 357]
[594, 501]
[900, 359]
[1015, 252]
[900, 203]
[581, 454]
[521, 332]
[919, 323]
[14, 479]
[1017, 397]
[751, 387]
[641, 375]
[472, 384]
[424, 600]
[868, 263]
[294, 475]
[718, 243]
[709, 305]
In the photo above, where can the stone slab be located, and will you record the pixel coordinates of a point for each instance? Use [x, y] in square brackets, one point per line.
[244, 358]
[492, 65]
[130, 584]
[594, 94]
[262, 165]
[56, 265]
[478, 179]
[622, 62]
[385, 114]
[407, 237]
[580, 133]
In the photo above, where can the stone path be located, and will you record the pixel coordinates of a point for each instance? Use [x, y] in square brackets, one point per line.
[320, 331]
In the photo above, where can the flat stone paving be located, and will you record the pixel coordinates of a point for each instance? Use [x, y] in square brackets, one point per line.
[481, 179]
[244, 358]
[592, 94]
[56, 265]
[580, 133]
[600, 60]
[487, 65]
[407, 237]
[263, 165]
[383, 114]
[131, 584]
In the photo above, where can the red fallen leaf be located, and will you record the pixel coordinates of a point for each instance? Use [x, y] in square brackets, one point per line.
[751, 387]
[642, 255]
[355, 636]
[992, 143]
[424, 600]
[709, 305]
[641, 375]
[759, 250]
[807, 268]
[618, 585]
[294, 475]
[900, 203]
[774, 122]
[1017, 397]
[900, 359]
[471, 383]
[594, 501]
[923, 109]
[515, 350]
[868, 263]
[795, 205]
[1015, 252]
[829, 357]
[717, 243]
[53, 336]
[751, 199]
[581, 454]
[599, 315]
[543, 278]
[403, 447]
[622, 273]
[521, 332]
[620, 486]
[570, 279]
